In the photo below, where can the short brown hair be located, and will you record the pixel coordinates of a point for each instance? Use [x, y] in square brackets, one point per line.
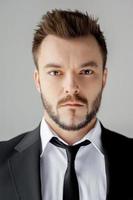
[68, 24]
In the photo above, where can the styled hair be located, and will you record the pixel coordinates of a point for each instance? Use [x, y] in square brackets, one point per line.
[68, 24]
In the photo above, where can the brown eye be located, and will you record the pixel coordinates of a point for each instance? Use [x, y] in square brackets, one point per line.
[54, 73]
[87, 72]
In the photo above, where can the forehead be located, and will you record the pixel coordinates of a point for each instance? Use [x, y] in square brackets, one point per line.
[76, 50]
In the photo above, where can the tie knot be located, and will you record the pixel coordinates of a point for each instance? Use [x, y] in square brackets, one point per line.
[70, 149]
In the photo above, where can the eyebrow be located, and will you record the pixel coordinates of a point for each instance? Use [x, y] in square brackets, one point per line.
[86, 64]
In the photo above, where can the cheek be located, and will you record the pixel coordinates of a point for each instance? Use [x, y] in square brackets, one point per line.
[52, 86]
[50, 91]
[92, 90]
[92, 85]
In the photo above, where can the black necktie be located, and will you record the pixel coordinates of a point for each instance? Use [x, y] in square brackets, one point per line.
[70, 188]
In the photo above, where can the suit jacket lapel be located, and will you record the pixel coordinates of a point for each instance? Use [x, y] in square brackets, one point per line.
[24, 166]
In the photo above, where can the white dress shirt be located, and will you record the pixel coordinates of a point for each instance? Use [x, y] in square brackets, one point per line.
[89, 166]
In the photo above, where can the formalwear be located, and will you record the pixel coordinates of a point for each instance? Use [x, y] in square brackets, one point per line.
[20, 166]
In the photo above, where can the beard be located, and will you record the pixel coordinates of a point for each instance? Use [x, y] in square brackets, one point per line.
[91, 113]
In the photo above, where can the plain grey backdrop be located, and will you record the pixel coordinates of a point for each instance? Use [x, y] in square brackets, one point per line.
[20, 104]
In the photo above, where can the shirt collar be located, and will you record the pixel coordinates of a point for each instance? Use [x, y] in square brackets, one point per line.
[94, 135]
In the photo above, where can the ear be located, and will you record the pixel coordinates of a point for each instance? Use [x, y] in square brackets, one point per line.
[36, 79]
[105, 73]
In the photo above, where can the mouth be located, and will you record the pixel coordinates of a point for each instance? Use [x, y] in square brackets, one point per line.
[72, 105]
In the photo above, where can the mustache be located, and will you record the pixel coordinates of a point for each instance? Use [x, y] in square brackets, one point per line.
[76, 97]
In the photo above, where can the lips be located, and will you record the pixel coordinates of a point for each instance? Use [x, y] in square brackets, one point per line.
[72, 104]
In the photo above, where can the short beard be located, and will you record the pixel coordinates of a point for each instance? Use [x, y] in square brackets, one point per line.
[90, 115]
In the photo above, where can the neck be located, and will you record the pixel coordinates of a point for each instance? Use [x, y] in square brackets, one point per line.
[70, 137]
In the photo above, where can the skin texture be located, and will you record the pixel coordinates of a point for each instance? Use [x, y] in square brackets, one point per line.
[70, 70]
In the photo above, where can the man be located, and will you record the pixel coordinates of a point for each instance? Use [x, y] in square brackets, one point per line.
[70, 155]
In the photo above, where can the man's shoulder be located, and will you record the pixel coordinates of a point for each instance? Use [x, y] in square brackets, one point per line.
[7, 146]
[14, 139]
[118, 135]
[115, 139]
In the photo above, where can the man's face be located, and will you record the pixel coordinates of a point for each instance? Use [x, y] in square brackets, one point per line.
[70, 72]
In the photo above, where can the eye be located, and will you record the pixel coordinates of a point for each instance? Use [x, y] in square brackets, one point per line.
[87, 71]
[54, 73]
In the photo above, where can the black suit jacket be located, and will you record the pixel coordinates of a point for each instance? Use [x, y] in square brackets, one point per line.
[20, 166]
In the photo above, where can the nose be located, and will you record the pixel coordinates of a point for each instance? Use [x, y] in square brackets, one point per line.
[70, 85]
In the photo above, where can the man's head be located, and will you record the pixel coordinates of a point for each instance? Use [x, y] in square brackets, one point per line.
[70, 55]
[68, 25]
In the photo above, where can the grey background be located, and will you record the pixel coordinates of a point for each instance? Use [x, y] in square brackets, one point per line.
[20, 104]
